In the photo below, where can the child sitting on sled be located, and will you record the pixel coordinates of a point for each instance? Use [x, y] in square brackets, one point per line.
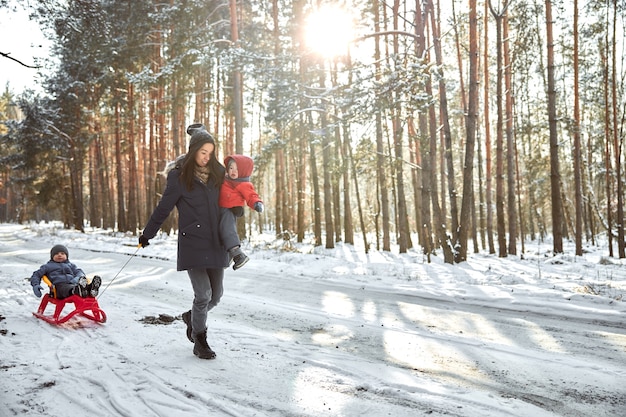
[67, 278]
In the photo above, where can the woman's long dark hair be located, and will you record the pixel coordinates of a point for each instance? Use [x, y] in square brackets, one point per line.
[188, 166]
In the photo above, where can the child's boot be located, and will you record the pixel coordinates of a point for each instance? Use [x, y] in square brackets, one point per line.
[81, 288]
[239, 258]
[95, 286]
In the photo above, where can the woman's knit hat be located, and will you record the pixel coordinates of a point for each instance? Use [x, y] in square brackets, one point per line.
[193, 128]
[199, 136]
[58, 248]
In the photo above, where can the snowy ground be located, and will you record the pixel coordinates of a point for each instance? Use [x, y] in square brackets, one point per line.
[317, 332]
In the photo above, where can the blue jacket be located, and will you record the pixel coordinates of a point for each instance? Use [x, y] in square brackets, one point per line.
[199, 243]
[57, 272]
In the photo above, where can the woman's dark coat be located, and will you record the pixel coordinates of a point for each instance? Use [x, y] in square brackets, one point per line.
[199, 244]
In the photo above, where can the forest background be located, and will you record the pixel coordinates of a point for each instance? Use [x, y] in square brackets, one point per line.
[452, 126]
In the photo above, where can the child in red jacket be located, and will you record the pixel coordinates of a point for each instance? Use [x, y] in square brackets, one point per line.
[236, 192]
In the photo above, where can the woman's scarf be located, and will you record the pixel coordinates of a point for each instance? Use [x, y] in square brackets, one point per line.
[202, 173]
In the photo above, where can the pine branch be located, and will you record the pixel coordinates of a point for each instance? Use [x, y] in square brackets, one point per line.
[18, 61]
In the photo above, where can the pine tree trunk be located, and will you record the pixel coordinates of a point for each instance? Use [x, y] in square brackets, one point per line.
[502, 251]
[427, 183]
[445, 124]
[439, 224]
[119, 177]
[142, 158]
[577, 146]
[301, 184]
[347, 205]
[617, 142]
[402, 228]
[381, 167]
[132, 181]
[327, 164]
[358, 201]
[488, 167]
[607, 145]
[317, 208]
[279, 193]
[335, 179]
[555, 174]
[510, 146]
[470, 131]
[416, 178]
[95, 189]
[279, 196]
[519, 200]
[423, 144]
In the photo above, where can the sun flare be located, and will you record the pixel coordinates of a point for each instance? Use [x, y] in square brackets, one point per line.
[329, 30]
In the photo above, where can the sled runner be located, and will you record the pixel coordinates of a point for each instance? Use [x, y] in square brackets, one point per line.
[86, 307]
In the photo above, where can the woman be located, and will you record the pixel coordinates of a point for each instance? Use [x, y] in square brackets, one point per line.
[193, 186]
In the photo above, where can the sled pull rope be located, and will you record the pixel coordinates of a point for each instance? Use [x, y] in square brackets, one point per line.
[118, 272]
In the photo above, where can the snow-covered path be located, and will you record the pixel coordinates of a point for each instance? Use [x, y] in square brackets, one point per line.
[324, 334]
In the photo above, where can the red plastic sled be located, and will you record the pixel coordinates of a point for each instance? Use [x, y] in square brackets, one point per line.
[86, 307]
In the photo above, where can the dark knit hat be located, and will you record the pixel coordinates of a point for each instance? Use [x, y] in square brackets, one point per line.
[58, 248]
[191, 129]
[199, 138]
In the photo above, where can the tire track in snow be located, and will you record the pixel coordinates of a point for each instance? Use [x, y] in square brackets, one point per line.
[475, 364]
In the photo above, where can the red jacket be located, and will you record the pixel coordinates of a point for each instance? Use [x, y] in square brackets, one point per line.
[239, 192]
